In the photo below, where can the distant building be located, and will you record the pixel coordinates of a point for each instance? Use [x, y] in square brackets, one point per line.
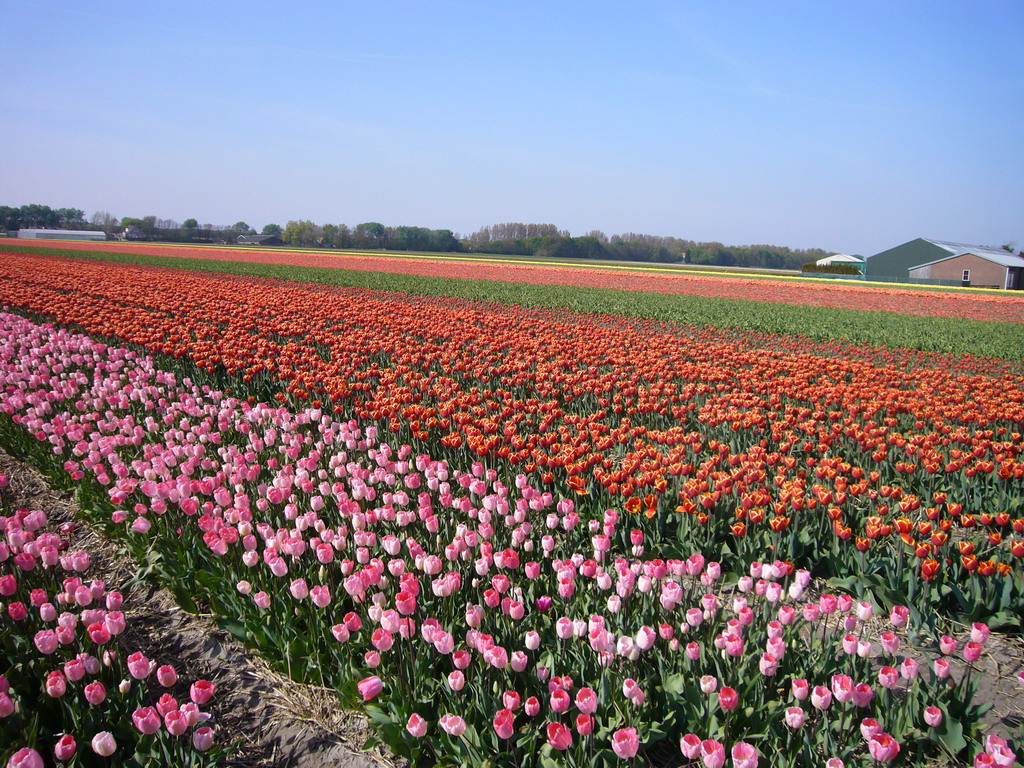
[980, 270]
[925, 259]
[61, 234]
[842, 258]
[259, 240]
[132, 232]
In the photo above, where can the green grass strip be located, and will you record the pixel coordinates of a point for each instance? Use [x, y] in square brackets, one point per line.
[931, 334]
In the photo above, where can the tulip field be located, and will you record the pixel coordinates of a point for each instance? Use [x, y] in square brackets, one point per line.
[988, 305]
[511, 534]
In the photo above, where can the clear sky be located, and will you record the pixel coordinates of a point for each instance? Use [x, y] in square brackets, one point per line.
[849, 126]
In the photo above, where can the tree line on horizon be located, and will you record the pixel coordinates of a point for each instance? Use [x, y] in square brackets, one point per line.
[508, 238]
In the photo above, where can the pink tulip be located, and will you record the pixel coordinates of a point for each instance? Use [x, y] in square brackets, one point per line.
[26, 758]
[115, 622]
[368, 687]
[504, 723]
[99, 633]
[888, 677]
[972, 651]
[584, 724]
[45, 641]
[1002, 755]
[65, 747]
[56, 685]
[453, 725]
[979, 632]
[728, 699]
[176, 722]
[709, 684]
[586, 701]
[382, 640]
[139, 666]
[689, 745]
[201, 691]
[192, 714]
[733, 644]
[842, 688]
[625, 743]
[821, 697]
[909, 669]
[416, 726]
[744, 755]
[795, 717]
[883, 747]
[167, 676]
[166, 703]
[104, 744]
[863, 694]
[869, 727]
[933, 716]
[712, 753]
[559, 737]
[95, 693]
[560, 700]
[632, 691]
[800, 688]
[74, 670]
[202, 738]
[992, 741]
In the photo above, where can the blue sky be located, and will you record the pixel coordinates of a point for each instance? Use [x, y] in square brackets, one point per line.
[846, 126]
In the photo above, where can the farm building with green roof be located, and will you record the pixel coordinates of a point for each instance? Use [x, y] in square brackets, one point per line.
[925, 260]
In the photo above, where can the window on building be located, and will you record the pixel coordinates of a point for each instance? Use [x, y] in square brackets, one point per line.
[967, 275]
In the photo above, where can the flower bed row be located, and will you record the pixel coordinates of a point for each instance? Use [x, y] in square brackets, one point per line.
[475, 619]
[1000, 306]
[70, 691]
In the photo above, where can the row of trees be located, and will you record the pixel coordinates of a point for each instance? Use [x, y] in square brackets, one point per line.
[370, 235]
[509, 238]
[514, 230]
[547, 241]
[36, 216]
[188, 231]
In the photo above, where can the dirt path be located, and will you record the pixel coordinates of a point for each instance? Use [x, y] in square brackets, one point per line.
[277, 723]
